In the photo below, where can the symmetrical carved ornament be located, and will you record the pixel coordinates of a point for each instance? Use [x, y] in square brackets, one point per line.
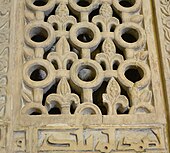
[88, 77]
[78, 52]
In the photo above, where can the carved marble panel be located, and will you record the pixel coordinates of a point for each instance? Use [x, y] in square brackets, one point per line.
[84, 76]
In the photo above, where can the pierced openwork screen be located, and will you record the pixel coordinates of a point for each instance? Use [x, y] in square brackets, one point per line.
[90, 78]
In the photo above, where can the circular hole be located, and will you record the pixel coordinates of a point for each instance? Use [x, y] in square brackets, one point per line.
[84, 3]
[85, 35]
[20, 141]
[38, 74]
[87, 73]
[130, 35]
[127, 3]
[40, 2]
[134, 74]
[38, 34]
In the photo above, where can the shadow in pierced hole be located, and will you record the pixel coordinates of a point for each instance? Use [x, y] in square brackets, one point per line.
[52, 13]
[94, 13]
[127, 3]
[40, 2]
[54, 111]
[134, 74]
[97, 97]
[50, 91]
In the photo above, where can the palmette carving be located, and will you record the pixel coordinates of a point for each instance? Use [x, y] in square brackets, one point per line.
[114, 101]
[86, 74]
[88, 65]
[48, 78]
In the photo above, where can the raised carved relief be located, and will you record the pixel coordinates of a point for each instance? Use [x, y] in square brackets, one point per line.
[4, 53]
[3, 138]
[88, 79]
[102, 139]
[19, 141]
[50, 31]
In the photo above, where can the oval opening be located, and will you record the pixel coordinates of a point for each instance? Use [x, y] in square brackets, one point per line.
[38, 74]
[84, 3]
[130, 35]
[134, 74]
[40, 2]
[87, 73]
[38, 34]
[127, 3]
[85, 35]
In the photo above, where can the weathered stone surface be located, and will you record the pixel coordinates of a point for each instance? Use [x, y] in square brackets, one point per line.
[84, 76]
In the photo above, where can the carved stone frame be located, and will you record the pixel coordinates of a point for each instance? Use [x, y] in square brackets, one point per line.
[9, 12]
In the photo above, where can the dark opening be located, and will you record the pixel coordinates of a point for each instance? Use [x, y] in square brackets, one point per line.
[134, 74]
[127, 3]
[94, 13]
[73, 13]
[77, 92]
[85, 35]
[51, 13]
[116, 14]
[68, 27]
[73, 49]
[38, 74]
[54, 110]
[87, 73]
[40, 2]
[84, 3]
[55, 26]
[103, 65]
[121, 110]
[55, 64]
[125, 93]
[50, 91]
[115, 65]
[130, 35]
[119, 51]
[34, 111]
[69, 64]
[38, 34]
[99, 25]
[72, 108]
[97, 51]
[97, 97]
[112, 29]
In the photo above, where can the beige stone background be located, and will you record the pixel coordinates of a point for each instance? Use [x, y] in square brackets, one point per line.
[20, 133]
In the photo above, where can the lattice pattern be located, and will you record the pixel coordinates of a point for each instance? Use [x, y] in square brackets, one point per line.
[85, 57]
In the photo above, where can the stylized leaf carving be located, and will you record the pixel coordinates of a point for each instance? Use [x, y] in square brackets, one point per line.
[63, 87]
[113, 89]
[146, 96]
[27, 96]
[108, 47]
[62, 10]
[62, 46]
[106, 10]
